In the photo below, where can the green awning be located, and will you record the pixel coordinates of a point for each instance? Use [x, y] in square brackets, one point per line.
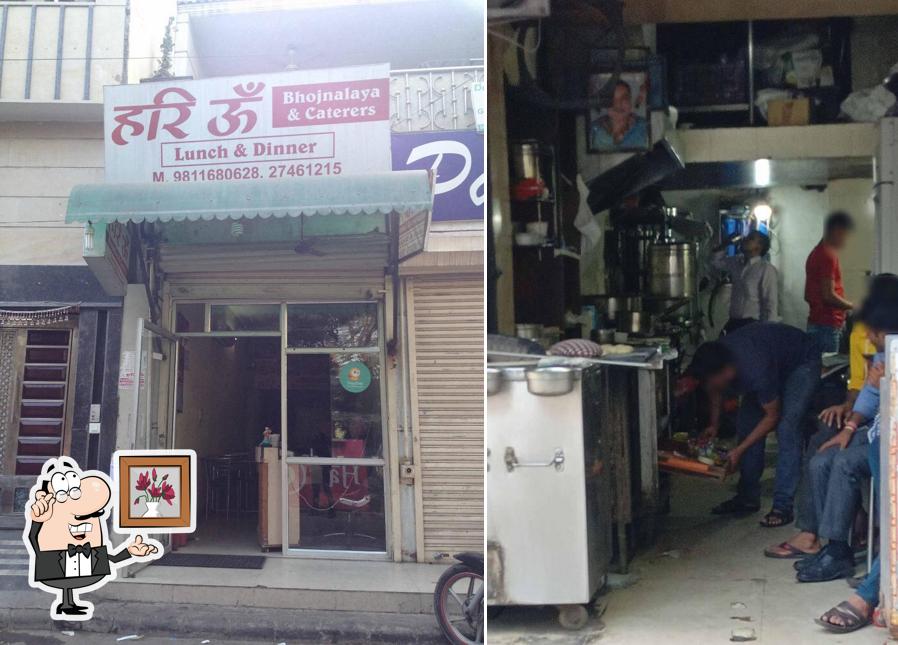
[409, 193]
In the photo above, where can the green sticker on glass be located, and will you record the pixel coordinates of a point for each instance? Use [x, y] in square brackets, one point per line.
[355, 377]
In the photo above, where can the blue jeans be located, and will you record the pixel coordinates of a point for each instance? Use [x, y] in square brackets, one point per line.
[837, 477]
[830, 487]
[869, 587]
[795, 397]
[827, 338]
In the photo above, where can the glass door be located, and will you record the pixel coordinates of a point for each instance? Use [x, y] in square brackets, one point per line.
[335, 496]
[151, 377]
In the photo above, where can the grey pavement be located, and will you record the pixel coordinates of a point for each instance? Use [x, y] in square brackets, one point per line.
[704, 578]
[18, 613]
[66, 637]
[25, 618]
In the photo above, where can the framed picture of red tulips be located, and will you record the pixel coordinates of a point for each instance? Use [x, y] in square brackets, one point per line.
[156, 490]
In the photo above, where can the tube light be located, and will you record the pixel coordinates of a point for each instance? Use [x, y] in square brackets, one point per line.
[762, 172]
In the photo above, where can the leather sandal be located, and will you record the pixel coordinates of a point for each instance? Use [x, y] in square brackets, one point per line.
[852, 619]
[777, 518]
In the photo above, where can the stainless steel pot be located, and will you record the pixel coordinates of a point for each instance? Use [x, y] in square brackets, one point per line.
[671, 270]
[550, 381]
[610, 306]
[530, 331]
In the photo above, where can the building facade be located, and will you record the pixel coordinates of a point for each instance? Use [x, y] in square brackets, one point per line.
[59, 329]
[185, 305]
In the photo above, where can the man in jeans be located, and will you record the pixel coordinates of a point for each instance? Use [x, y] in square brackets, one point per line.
[835, 466]
[776, 369]
[857, 611]
[823, 288]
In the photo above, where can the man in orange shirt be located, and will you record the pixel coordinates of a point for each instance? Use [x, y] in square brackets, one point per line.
[823, 288]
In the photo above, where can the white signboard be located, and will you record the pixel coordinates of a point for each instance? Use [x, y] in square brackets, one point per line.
[266, 126]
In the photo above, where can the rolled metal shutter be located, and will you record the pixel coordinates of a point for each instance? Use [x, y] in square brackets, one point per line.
[345, 270]
[446, 338]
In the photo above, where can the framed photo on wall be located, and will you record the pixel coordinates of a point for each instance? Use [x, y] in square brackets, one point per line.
[156, 490]
[635, 59]
[623, 126]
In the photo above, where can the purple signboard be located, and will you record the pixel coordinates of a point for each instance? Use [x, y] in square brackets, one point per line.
[457, 158]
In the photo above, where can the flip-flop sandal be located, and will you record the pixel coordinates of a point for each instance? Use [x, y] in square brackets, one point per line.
[852, 619]
[777, 518]
[791, 552]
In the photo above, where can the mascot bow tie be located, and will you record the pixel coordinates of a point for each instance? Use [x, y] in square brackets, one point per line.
[83, 549]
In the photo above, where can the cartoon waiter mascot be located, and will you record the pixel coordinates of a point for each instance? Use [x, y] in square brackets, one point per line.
[65, 534]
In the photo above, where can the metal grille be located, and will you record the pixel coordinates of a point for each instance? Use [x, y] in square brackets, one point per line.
[433, 99]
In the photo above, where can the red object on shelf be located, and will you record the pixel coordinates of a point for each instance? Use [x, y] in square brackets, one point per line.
[530, 188]
[350, 482]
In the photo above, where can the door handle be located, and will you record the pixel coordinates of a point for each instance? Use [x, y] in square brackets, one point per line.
[511, 461]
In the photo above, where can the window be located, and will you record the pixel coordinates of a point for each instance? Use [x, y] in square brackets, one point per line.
[245, 317]
[332, 325]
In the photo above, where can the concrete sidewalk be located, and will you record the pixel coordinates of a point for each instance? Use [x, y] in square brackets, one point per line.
[289, 599]
[703, 578]
[25, 610]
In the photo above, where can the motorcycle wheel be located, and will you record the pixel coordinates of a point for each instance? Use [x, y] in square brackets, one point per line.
[460, 623]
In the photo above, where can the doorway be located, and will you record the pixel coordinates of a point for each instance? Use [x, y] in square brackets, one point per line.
[283, 404]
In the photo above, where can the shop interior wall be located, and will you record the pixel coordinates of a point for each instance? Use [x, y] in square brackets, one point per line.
[797, 225]
[214, 419]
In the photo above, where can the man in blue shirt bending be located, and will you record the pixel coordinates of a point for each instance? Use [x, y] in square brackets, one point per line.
[776, 369]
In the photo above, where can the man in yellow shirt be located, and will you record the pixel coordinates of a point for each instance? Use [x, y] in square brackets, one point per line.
[860, 350]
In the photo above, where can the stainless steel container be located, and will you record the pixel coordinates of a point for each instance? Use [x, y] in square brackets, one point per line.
[525, 160]
[529, 331]
[636, 322]
[611, 306]
[671, 270]
[550, 381]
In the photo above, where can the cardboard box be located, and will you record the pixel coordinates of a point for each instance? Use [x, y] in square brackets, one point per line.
[789, 111]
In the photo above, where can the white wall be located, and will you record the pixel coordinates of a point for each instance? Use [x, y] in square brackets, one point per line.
[39, 165]
[798, 225]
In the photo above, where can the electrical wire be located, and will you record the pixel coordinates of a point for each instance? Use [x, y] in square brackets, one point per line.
[71, 227]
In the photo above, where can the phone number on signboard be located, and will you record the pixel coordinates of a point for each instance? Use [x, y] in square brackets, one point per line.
[277, 171]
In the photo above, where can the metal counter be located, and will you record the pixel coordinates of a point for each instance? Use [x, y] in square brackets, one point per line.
[637, 403]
